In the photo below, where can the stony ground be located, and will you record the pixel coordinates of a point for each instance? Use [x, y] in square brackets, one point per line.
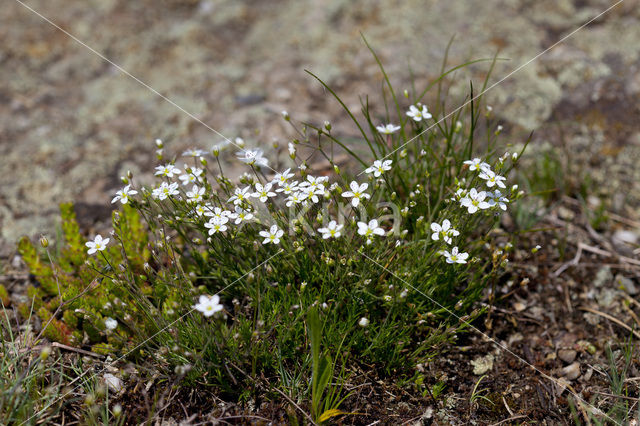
[71, 124]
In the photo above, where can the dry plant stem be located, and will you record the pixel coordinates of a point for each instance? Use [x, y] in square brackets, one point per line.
[612, 319]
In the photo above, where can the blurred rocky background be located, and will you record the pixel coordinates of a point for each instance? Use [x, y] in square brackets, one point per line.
[71, 123]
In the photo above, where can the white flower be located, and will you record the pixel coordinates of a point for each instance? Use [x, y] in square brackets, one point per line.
[217, 212]
[332, 230]
[363, 322]
[263, 192]
[194, 153]
[496, 199]
[240, 195]
[387, 129]
[288, 187]
[474, 200]
[370, 229]
[379, 167]
[200, 209]
[292, 149]
[208, 305]
[241, 215]
[296, 198]
[195, 195]
[168, 170]
[357, 192]
[191, 176]
[492, 179]
[253, 157]
[477, 164]
[313, 183]
[123, 195]
[165, 190]
[419, 114]
[282, 178]
[217, 224]
[110, 323]
[455, 257]
[272, 236]
[98, 244]
[444, 231]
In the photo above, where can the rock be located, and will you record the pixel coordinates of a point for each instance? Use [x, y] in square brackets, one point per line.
[606, 297]
[624, 283]
[603, 276]
[623, 236]
[566, 214]
[567, 355]
[482, 364]
[113, 383]
[571, 371]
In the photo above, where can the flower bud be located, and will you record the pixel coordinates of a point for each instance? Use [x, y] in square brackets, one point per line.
[44, 242]
[159, 143]
[203, 161]
[406, 93]
[45, 352]
[327, 126]
[363, 322]
[285, 115]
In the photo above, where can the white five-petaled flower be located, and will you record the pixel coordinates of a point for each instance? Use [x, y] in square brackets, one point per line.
[195, 195]
[194, 153]
[379, 167]
[363, 322]
[369, 229]
[474, 200]
[110, 323]
[98, 244]
[217, 224]
[296, 198]
[282, 178]
[387, 129]
[217, 212]
[492, 179]
[357, 192]
[165, 190]
[444, 231]
[200, 209]
[191, 176]
[272, 235]
[263, 192]
[477, 164]
[241, 215]
[331, 231]
[208, 305]
[240, 195]
[253, 157]
[419, 114]
[168, 170]
[288, 187]
[455, 256]
[123, 195]
[496, 199]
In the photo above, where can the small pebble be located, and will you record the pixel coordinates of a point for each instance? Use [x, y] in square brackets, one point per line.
[571, 371]
[567, 355]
